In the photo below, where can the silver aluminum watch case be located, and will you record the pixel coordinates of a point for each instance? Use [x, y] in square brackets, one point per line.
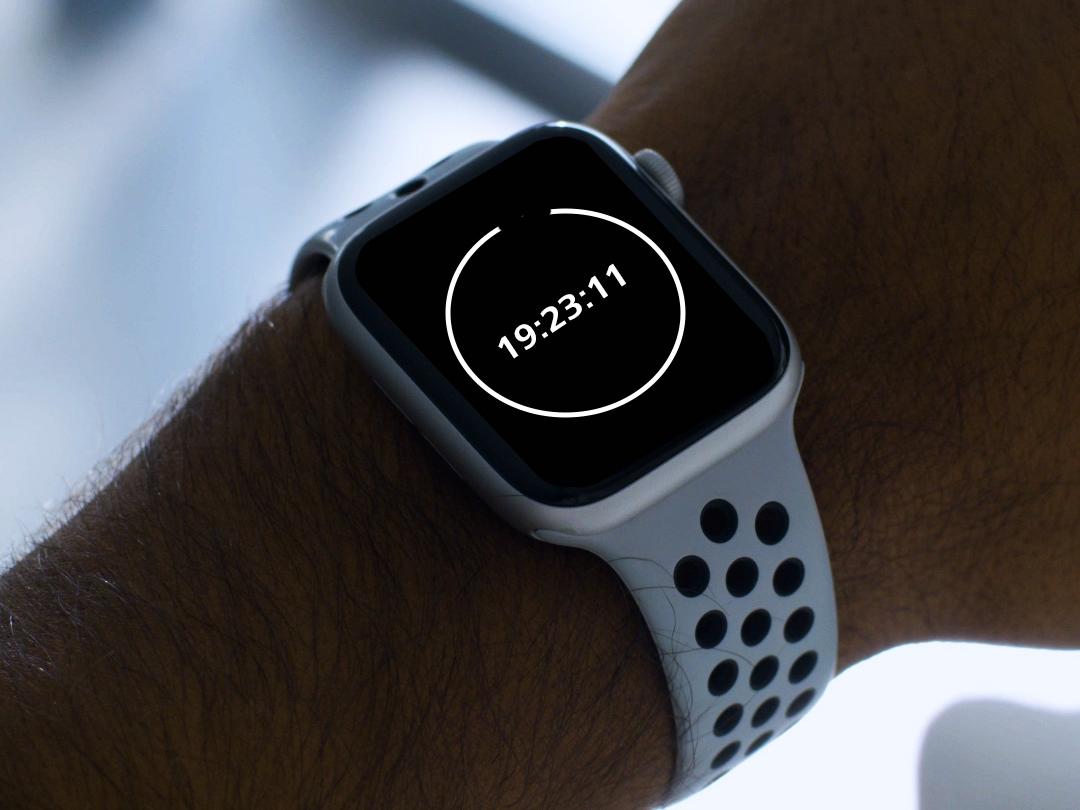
[524, 513]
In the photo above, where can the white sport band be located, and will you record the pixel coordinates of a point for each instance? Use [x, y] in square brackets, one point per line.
[732, 575]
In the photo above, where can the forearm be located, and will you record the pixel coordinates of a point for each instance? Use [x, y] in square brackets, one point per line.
[286, 599]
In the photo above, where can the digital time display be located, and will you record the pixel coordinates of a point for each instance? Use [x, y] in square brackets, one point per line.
[564, 315]
[643, 316]
[571, 306]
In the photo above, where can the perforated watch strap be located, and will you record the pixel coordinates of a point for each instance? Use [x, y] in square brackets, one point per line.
[732, 575]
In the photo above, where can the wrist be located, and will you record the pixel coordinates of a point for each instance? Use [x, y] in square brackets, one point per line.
[650, 528]
[286, 582]
[517, 634]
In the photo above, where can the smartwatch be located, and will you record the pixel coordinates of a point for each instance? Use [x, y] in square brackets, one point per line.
[546, 314]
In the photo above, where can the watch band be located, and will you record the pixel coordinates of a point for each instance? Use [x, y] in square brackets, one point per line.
[731, 573]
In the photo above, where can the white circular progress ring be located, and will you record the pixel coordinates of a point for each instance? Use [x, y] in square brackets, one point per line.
[592, 411]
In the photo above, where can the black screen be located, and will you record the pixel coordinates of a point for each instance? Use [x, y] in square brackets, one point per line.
[569, 319]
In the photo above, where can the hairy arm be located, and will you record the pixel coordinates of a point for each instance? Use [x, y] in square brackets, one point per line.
[284, 598]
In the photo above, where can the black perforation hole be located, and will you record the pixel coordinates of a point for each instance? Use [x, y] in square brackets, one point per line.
[719, 520]
[711, 629]
[801, 702]
[802, 667]
[723, 677]
[788, 577]
[760, 741]
[728, 719]
[765, 712]
[691, 576]
[763, 672]
[798, 625]
[771, 523]
[755, 627]
[742, 576]
[726, 755]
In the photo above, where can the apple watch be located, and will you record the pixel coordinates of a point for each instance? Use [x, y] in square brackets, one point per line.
[579, 351]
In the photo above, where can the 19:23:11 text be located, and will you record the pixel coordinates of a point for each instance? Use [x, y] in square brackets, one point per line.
[526, 334]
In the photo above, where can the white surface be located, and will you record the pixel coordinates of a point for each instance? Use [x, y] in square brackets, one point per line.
[994, 755]
[155, 186]
[860, 747]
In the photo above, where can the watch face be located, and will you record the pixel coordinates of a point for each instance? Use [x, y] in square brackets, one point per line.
[570, 321]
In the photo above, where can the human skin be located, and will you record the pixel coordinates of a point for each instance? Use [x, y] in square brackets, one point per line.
[903, 181]
[282, 597]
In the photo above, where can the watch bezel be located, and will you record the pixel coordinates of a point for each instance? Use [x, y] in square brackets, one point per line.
[442, 396]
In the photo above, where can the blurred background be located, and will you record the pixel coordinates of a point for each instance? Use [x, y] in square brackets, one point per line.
[162, 160]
